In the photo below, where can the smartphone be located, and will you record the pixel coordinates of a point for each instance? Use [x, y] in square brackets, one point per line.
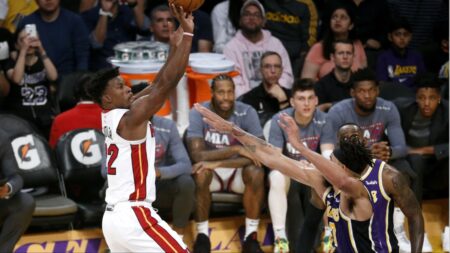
[30, 29]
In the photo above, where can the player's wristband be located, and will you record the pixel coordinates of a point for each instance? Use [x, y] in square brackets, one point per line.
[283, 102]
[188, 34]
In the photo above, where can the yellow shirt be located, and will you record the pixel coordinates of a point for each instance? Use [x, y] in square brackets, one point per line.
[17, 9]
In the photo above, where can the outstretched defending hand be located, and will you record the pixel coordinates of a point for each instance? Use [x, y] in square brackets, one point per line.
[214, 120]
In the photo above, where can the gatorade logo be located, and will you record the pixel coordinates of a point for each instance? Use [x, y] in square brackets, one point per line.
[25, 152]
[85, 148]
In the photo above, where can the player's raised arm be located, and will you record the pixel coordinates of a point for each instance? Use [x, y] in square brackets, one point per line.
[149, 101]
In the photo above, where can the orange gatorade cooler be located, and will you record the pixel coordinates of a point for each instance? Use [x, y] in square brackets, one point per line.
[140, 61]
[202, 68]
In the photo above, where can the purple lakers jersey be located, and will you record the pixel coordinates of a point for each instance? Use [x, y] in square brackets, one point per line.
[381, 225]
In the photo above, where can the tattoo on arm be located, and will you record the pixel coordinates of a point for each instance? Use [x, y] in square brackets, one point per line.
[406, 200]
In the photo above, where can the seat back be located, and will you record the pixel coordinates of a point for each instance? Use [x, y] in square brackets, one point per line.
[81, 154]
[15, 126]
[34, 159]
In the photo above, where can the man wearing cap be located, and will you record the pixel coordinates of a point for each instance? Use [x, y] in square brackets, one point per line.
[248, 45]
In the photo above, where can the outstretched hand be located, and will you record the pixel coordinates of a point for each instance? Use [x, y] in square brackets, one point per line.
[214, 120]
[288, 124]
[185, 19]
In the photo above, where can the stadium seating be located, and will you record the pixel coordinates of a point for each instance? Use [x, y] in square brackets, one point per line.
[39, 172]
[81, 154]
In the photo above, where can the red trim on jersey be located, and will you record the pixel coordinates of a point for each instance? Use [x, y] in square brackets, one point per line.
[140, 171]
[156, 232]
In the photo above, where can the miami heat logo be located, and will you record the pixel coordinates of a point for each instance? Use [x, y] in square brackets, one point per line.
[85, 148]
[25, 152]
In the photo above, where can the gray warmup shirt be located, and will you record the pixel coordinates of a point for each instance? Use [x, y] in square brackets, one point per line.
[385, 120]
[310, 134]
[244, 116]
[170, 157]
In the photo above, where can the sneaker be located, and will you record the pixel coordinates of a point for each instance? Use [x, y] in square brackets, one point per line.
[251, 244]
[281, 245]
[446, 239]
[202, 244]
[426, 247]
[404, 245]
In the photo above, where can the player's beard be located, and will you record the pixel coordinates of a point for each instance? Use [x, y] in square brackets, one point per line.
[224, 114]
[251, 31]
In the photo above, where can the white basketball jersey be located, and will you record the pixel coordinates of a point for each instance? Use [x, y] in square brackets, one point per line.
[131, 170]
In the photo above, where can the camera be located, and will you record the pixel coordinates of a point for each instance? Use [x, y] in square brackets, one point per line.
[30, 29]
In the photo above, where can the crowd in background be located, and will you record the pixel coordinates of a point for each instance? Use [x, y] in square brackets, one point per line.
[399, 47]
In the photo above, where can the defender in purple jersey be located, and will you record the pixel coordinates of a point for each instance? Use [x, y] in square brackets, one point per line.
[356, 203]
[354, 199]
[385, 187]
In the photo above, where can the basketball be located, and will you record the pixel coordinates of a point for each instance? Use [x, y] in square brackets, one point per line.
[188, 5]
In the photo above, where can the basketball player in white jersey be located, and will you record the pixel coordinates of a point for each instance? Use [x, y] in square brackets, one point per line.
[130, 224]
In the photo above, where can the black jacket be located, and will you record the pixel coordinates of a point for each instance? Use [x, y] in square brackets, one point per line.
[439, 124]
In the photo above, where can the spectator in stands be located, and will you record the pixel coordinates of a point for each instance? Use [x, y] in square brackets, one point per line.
[16, 207]
[341, 27]
[310, 121]
[31, 73]
[295, 24]
[380, 121]
[162, 24]
[110, 23]
[79, 6]
[425, 123]
[435, 53]
[203, 34]
[400, 64]
[421, 15]
[63, 35]
[372, 26]
[11, 12]
[86, 114]
[269, 97]
[221, 164]
[175, 187]
[225, 22]
[336, 85]
[247, 46]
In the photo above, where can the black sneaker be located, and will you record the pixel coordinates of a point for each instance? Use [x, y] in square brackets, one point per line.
[202, 244]
[251, 244]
